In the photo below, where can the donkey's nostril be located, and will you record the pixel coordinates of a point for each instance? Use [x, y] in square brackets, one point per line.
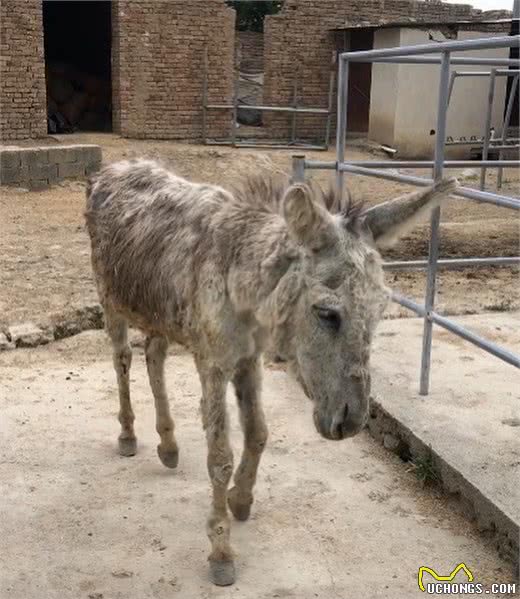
[338, 428]
[337, 431]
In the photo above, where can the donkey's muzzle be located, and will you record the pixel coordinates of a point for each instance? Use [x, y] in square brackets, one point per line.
[336, 429]
[350, 417]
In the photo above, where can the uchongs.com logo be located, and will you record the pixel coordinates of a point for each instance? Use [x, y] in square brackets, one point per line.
[437, 584]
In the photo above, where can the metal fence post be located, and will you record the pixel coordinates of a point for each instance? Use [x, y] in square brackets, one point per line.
[204, 95]
[341, 121]
[234, 110]
[454, 75]
[505, 125]
[433, 253]
[298, 168]
[329, 101]
[487, 130]
[295, 106]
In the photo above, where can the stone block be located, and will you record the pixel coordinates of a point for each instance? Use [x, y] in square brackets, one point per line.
[91, 153]
[71, 169]
[28, 334]
[5, 344]
[34, 157]
[69, 154]
[11, 176]
[92, 167]
[9, 159]
[37, 184]
[47, 172]
[55, 155]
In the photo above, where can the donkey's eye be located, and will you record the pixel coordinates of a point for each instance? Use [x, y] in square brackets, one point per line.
[328, 317]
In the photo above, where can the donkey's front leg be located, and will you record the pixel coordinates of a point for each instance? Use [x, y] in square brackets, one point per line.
[220, 468]
[247, 381]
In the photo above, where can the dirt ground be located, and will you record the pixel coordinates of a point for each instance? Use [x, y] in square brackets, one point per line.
[45, 265]
[330, 520]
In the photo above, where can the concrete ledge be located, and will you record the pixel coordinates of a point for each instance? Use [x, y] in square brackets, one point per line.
[467, 429]
[39, 167]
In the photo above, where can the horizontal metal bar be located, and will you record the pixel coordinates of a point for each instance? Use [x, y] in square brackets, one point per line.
[470, 142]
[498, 72]
[286, 109]
[408, 303]
[504, 147]
[455, 46]
[448, 263]
[487, 197]
[460, 331]
[218, 106]
[281, 146]
[468, 61]
[321, 165]
[489, 346]
[465, 192]
[429, 163]
[411, 164]
[268, 108]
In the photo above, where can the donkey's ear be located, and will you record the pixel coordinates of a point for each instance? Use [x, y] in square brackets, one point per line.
[388, 221]
[309, 223]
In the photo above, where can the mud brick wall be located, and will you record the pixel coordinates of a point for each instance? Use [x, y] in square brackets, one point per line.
[38, 168]
[160, 46]
[22, 73]
[301, 34]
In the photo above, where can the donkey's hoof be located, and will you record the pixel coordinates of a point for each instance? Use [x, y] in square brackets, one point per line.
[127, 447]
[169, 457]
[222, 572]
[241, 510]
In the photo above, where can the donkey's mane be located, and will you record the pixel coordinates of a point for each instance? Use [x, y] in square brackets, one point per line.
[264, 192]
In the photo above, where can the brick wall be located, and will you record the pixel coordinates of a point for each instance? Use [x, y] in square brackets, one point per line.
[159, 48]
[300, 33]
[157, 56]
[22, 73]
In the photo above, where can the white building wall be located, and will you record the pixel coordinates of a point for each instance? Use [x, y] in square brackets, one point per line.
[383, 94]
[415, 89]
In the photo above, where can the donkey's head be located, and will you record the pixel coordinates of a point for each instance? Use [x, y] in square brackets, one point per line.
[329, 322]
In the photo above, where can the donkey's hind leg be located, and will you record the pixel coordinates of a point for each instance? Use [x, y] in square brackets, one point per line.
[156, 348]
[117, 329]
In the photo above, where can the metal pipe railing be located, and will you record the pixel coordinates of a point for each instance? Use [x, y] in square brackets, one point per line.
[433, 250]
[341, 127]
[489, 346]
[489, 62]
[460, 45]
[451, 263]
[464, 192]
[487, 125]
[292, 109]
[381, 169]
[505, 126]
[411, 164]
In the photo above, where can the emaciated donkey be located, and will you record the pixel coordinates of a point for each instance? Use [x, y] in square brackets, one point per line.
[224, 273]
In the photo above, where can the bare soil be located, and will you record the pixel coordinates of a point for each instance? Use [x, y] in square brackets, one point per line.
[45, 266]
[330, 520]
[77, 521]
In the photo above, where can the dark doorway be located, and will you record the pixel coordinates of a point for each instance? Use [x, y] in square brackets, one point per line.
[78, 40]
[360, 80]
